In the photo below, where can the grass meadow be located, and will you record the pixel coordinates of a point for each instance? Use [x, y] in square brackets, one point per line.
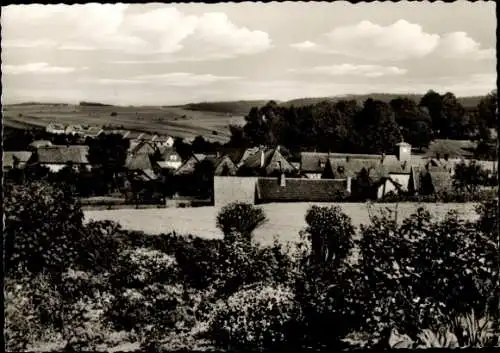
[174, 121]
[284, 220]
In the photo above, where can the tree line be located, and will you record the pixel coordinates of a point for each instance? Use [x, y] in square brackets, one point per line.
[373, 127]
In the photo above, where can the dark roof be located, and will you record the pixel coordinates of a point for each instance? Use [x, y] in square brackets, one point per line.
[143, 147]
[272, 158]
[140, 161]
[220, 162]
[300, 190]
[20, 156]
[63, 154]
[247, 153]
[189, 165]
[313, 162]
[441, 180]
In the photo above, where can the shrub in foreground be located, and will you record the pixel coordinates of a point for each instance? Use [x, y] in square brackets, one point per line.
[240, 219]
[419, 273]
[260, 317]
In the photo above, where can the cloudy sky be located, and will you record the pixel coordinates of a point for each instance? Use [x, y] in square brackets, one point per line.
[179, 53]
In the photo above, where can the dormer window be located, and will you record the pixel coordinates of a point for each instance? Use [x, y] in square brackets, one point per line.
[321, 164]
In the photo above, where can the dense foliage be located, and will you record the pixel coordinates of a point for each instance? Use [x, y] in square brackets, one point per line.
[240, 220]
[346, 126]
[419, 283]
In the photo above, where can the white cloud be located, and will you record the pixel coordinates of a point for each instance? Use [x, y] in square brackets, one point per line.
[459, 44]
[184, 79]
[398, 41]
[174, 79]
[353, 70]
[307, 45]
[110, 27]
[36, 68]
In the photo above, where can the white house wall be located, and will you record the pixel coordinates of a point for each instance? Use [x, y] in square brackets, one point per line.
[234, 189]
[402, 179]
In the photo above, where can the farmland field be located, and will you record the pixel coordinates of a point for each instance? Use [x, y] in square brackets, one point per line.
[285, 220]
[174, 121]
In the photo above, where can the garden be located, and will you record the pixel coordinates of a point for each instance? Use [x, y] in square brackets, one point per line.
[420, 283]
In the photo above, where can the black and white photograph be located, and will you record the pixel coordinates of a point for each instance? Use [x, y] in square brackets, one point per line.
[250, 176]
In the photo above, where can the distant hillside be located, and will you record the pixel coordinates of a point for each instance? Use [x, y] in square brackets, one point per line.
[243, 107]
[467, 102]
[234, 107]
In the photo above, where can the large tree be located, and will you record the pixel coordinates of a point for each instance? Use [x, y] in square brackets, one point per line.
[376, 123]
[108, 153]
[433, 102]
[415, 121]
[487, 109]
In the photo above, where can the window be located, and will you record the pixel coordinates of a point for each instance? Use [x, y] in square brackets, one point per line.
[173, 157]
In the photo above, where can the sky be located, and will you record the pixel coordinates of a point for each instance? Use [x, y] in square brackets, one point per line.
[165, 54]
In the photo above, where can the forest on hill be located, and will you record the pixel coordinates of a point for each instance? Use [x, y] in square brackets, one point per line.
[372, 126]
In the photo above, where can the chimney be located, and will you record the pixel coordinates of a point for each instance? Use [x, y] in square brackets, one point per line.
[348, 186]
[282, 179]
[382, 158]
[347, 159]
[278, 148]
[446, 156]
[404, 151]
[438, 156]
[262, 158]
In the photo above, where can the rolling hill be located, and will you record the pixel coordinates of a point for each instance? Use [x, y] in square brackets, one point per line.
[208, 119]
[173, 121]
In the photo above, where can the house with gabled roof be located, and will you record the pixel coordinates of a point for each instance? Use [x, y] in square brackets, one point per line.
[142, 147]
[283, 189]
[140, 164]
[75, 129]
[56, 128]
[222, 164]
[92, 131]
[39, 144]
[169, 159]
[266, 162]
[15, 159]
[163, 141]
[57, 157]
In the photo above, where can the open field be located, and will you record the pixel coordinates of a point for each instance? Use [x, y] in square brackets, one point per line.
[174, 121]
[285, 220]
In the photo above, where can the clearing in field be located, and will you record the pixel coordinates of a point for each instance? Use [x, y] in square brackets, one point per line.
[284, 220]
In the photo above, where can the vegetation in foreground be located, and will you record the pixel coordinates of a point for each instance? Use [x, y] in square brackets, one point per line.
[424, 283]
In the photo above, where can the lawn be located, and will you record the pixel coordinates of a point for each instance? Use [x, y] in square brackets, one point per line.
[285, 220]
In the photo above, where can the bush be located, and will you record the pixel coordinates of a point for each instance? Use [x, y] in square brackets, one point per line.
[140, 267]
[152, 311]
[261, 317]
[417, 274]
[240, 219]
[330, 233]
[226, 265]
[43, 228]
[30, 314]
[325, 282]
